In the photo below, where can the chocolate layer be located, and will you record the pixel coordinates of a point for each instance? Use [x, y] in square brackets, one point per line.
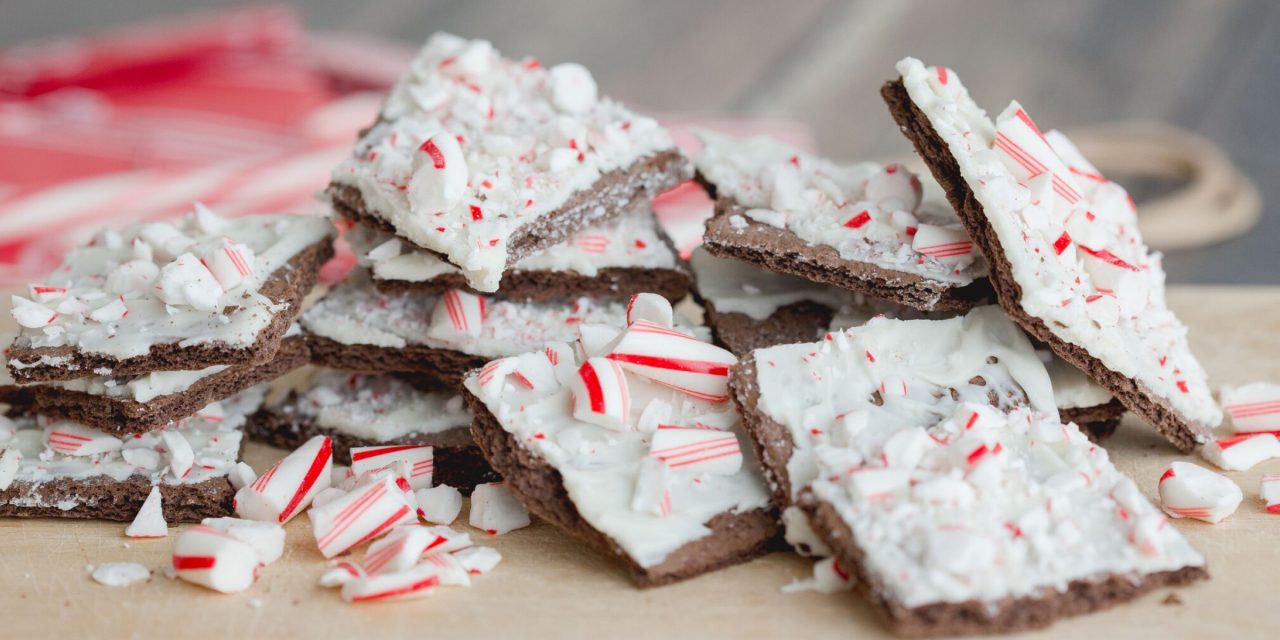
[103, 498]
[444, 365]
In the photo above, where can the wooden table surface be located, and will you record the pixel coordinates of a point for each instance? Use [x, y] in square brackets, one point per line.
[548, 586]
[1204, 65]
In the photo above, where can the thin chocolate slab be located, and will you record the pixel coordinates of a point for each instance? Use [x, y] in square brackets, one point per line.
[445, 365]
[734, 537]
[287, 286]
[933, 149]
[103, 498]
[121, 416]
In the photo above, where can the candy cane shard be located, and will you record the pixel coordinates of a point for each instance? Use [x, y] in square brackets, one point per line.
[30, 314]
[229, 262]
[478, 560]
[418, 582]
[397, 551]
[1190, 491]
[652, 308]
[419, 459]
[449, 568]
[75, 440]
[440, 504]
[213, 559]
[697, 450]
[288, 487]
[944, 243]
[340, 573]
[674, 359]
[1027, 154]
[363, 514]
[149, 522]
[187, 282]
[457, 314]
[440, 174]
[652, 493]
[496, 510]
[1270, 492]
[10, 460]
[266, 538]
[828, 577]
[447, 540]
[597, 339]
[1253, 407]
[601, 395]
[1242, 452]
[241, 476]
[179, 453]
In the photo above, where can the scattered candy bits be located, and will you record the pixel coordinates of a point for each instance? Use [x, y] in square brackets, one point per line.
[1191, 491]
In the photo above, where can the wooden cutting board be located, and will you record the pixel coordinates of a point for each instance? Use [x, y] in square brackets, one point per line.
[548, 586]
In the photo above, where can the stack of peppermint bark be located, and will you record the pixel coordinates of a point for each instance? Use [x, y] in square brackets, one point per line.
[138, 360]
[494, 207]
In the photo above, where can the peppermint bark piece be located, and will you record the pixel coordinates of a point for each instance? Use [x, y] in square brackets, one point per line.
[485, 160]
[356, 328]
[356, 410]
[1067, 259]
[749, 308]
[58, 469]
[936, 479]
[865, 227]
[170, 296]
[120, 406]
[629, 444]
[613, 259]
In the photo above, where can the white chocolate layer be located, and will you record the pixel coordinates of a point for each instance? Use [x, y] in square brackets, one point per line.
[377, 408]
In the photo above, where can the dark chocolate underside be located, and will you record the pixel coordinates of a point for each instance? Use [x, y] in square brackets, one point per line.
[457, 460]
[781, 251]
[123, 416]
[103, 498]
[443, 364]
[734, 538]
[608, 283]
[1003, 616]
[288, 284]
[933, 150]
[612, 194]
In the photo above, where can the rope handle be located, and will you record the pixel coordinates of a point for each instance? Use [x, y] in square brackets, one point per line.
[1217, 202]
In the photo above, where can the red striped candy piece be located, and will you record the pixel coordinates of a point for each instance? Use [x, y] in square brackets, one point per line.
[287, 488]
[943, 243]
[418, 458]
[229, 262]
[213, 559]
[362, 515]
[697, 450]
[398, 550]
[75, 440]
[418, 582]
[1242, 452]
[676, 360]
[1270, 492]
[440, 174]
[601, 395]
[651, 307]
[496, 510]
[1190, 491]
[1028, 155]
[341, 573]
[1253, 408]
[458, 313]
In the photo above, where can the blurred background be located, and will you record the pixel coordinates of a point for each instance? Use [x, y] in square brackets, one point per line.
[96, 125]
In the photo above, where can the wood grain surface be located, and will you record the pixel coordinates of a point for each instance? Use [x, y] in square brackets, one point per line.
[548, 586]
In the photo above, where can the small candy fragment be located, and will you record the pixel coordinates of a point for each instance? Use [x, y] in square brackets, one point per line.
[364, 514]
[1270, 492]
[120, 574]
[340, 573]
[1242, 452]
[397, 551]
[1191, 491]
[496, 510]
[601, 395]
[1253, 407]
[676, 360]
[697, 450]
[447, 540]
[288, 487]
[944, 243]
[439, 174]
[149, 522]
[75, 440]
[457, 314]
[651, 307]
[267, 538]
[418, 458]
[186, 282]
[229, 262]
[653, 488]
[573, 90]
[418, 582]
[241, 476]
[10, 460]
[440, 504]
[30, 314]
[178, 452]
[210, 558]
[478, 560]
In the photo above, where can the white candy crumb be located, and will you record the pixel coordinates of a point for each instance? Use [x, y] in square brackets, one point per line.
[120, 574]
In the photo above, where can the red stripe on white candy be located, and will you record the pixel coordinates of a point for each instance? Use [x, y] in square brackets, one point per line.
[440, 174]
[676, 360]
[75, 440]
[1028, 155]
[417, 582]
[398, 550]
[651, 307]
[44, 293]
[458, 313]
[697, 450]
[363, 514]
[419, 459]
[1270, 492]
[1242, 452]
[653, 488]
[287, 488]
[229, 262]
[591, 242]
[496, 510]
[213, 559]
[1190, 491]
[941, 242]
[601, 395]
[267, 538]
[447, 540]
[1253, 408]
[341, 573]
